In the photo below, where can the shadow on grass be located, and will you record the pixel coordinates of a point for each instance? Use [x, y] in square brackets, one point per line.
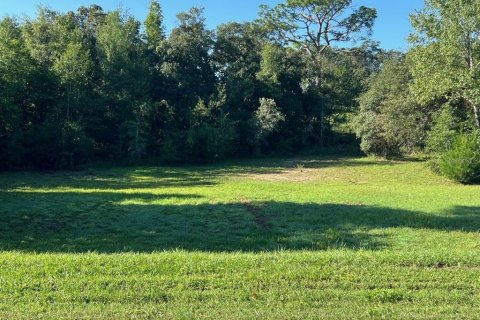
[109, 222]
[178, 177]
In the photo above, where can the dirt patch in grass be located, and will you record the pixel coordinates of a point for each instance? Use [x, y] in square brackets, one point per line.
[294, 175]
[343, 171]
[305, 171]
[298, 175]
[260, 219]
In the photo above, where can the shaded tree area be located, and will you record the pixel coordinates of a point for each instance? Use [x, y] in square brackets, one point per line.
[97, 86]
[428, 99]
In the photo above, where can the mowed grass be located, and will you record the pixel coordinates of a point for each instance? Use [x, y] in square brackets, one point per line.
[306, 238]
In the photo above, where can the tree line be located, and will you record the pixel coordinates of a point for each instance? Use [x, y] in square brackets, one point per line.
[93, 85]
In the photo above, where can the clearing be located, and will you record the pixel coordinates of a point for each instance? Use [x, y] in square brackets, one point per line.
[304, 238]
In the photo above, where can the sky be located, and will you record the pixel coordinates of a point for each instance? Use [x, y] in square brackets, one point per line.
[391, 30]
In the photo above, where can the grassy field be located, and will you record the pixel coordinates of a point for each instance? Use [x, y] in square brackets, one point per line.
[310, 238]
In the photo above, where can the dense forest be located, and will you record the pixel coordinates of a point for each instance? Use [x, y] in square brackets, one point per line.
[96, 86]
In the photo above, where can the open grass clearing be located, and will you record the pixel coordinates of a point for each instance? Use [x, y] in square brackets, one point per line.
[329, 237]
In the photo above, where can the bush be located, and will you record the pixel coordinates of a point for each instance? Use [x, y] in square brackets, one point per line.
[462, 161]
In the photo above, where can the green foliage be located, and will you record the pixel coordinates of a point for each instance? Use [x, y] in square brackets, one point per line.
[75, 145]
[15, 69]
[172, 152]
[188, 57]
[154, 28]
[99, 82]
[445, 69]
[42, 147]
[317, 24]
[389, 121]
[273, 63]
[445, 59]
[313, 27]
[211, 136]
[445, 127]
[137, 132]
[204, 143]
[267, 119]
[73, 69]
[461, 162]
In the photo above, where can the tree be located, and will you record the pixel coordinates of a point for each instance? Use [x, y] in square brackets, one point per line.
[315, 26]
[124, 86]
[389, 121]
[281, 75]
[96, 85]
[461, 162]
[347, 75]
[446, 57]
[188, 65]
[211, 134]
[236, 60]
[267, 120]
[16, 69]
[73, 67]
[154, 29]
[444, 128]
[156, 46]
[89, 20]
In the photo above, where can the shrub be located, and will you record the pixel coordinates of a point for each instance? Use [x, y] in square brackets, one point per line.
[462, 161]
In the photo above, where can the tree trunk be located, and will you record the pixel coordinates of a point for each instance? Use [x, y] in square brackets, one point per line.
[318, 85]
[137, 144]
[322, 126]
[476, 111]
[69, 93]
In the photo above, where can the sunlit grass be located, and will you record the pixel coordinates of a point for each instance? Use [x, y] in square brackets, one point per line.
[278, 238]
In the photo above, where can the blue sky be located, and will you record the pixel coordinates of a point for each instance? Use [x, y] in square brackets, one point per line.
[392, 27]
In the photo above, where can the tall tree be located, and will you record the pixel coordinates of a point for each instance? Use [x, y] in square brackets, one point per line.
[72, 65]
[236, 58]
[446, 57]
[389, 121]
[156, 50]
[315, 26]
[124, 80]
[17, 73]
[188, 64]
[281, 75]
[154, 28]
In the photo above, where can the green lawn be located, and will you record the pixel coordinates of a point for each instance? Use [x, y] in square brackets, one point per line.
[311, 238]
